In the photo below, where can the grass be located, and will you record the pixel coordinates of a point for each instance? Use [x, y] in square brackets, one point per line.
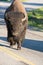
[35, 18]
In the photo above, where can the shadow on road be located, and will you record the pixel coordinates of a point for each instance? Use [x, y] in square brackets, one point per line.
[28, 43]
[2, 11]
[3, 38]
[33, 44]
[5, 44]
[35, 28]
[34, 4]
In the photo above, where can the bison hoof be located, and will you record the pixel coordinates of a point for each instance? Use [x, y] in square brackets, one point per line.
[19, 48]
[11, 46]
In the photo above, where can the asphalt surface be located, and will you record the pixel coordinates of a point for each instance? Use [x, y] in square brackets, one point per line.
[32, 47]
[29, 5]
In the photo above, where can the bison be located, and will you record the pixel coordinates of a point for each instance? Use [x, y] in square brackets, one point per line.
[16, 21]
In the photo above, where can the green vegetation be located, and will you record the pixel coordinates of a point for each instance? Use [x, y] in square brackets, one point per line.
[35, 18]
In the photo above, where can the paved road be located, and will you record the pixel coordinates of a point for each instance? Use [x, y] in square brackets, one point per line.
[31, 53]
[30, 5]
[32, 47]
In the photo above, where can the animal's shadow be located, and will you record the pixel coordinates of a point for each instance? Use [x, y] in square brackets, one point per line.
[5, 44]
[28, 43]
[33, 44]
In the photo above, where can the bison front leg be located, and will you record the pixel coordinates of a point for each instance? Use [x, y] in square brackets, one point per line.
[19, 45]
[12, 42]
[9, 36]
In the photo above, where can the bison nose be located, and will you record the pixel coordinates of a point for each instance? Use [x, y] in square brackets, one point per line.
[15, 34]
[15, 37]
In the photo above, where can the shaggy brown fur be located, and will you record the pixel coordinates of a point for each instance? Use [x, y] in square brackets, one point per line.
[16, 21]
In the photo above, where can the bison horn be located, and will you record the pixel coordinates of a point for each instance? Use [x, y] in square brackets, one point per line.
[24, 19]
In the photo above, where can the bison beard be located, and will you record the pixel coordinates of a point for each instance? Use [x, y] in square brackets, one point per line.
[16, 22]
